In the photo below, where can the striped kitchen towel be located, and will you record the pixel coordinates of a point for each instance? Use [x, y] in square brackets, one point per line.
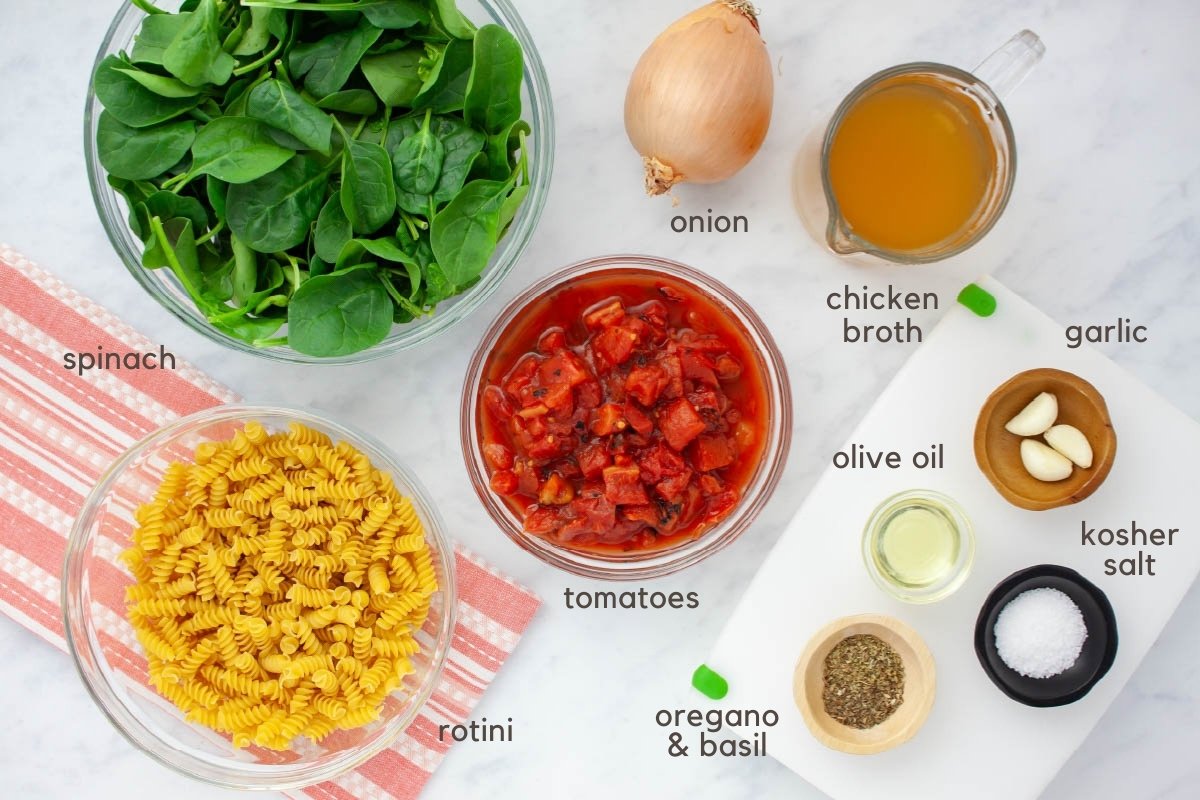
[60, 429]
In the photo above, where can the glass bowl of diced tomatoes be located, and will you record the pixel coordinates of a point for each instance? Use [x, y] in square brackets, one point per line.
[626, 417]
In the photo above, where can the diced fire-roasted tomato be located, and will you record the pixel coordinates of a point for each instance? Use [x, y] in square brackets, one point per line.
[712, 452]
[645, 384]
[623, 486]
[638, 420]
[498, 456]
[659, 461]
[671, 487]
[605, 316]
[556, 491]
[614, 345]
[504, 481]
[592, 458]
[562, 368]
[609, 419]
[552, 341]
[680, 423]
[543, 521]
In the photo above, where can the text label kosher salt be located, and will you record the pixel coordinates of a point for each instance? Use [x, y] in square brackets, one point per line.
[1143, 563]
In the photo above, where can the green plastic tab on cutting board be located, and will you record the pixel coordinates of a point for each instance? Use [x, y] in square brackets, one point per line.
[709, 683]
[978, 299]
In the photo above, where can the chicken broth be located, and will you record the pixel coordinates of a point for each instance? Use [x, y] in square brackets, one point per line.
[911, 162]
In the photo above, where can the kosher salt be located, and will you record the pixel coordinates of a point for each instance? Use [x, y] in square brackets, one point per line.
[1040, 633]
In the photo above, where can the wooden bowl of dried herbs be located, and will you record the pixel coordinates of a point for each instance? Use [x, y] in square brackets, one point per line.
[865, 684]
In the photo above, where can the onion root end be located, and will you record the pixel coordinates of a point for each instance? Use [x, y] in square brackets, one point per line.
[660, 178]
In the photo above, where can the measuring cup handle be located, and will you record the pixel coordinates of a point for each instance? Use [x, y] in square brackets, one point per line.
[1004, 69]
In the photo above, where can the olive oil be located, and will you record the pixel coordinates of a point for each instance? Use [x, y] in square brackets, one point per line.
[918, 546]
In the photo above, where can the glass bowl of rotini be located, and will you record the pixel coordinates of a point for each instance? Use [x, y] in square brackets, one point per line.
[259, 597]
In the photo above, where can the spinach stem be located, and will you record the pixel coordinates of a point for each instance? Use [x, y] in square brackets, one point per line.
[408, 222]
[213, 231]
[178, 182]
[231, 314]
[361, 124]
[276, 342]
[391, 289]
[148, 7]
[266, 58]
[337, 123]
[160, 234]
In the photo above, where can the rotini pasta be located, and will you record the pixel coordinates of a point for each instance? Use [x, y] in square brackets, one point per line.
[279, 580]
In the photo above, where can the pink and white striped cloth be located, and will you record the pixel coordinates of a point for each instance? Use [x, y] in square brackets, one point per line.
[60, 430]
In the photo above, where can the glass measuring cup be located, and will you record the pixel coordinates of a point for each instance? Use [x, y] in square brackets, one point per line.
[982, 91]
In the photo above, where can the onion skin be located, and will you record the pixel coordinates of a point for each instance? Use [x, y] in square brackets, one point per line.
[699, 102]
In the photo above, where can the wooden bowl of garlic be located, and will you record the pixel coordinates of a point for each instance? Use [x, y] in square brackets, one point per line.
[1044, 439]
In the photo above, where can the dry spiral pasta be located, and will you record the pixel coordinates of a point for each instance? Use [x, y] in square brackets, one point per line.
[279, 582]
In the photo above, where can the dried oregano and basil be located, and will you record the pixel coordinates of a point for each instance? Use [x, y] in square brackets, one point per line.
[337, 166]
[864, 681]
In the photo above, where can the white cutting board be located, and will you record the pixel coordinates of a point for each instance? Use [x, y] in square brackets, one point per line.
[977, 742]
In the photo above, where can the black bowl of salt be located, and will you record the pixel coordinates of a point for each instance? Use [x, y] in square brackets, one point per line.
[1057, 636]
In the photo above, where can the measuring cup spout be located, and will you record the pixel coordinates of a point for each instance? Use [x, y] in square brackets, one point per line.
[1004, 69]
[839, 239]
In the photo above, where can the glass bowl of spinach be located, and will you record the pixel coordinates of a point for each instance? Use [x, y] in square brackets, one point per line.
[319, 181]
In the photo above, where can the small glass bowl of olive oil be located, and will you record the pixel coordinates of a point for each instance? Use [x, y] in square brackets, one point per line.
[919, 546]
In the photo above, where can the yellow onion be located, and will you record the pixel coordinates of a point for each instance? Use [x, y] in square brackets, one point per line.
[699, 102]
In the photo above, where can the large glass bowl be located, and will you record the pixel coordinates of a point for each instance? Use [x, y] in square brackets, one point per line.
[112, 663]
[162, 285]
[649, 563]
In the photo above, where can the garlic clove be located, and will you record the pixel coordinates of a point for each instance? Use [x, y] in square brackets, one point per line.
[1036, 417]
[1044, 463]
[1070, 441]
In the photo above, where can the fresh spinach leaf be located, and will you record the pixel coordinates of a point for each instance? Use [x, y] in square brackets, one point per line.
[215, 191]
[169, 205]
[394, 76]
[195, 55]
[216, 277]
[141, 153]
[437, 286]
[500, 148]
[178, 244]
[245, 270]
[160, 84]
[282, 107]
[368, 191]
[360, 102]
[452, 20]
[493, 100]
[275, 212]
[388, 249]
[397, 14]
[338, 314]
[326, 64]
[464, 234]
[417, 161]
[236, 150]
[132, 103]
[135, 194]
[445, 88]
[156, 34]
[258, 33]
[511, 205]
[462, 146]
[333, 230]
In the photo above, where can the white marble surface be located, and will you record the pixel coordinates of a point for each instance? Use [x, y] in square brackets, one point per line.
[1103, 223]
